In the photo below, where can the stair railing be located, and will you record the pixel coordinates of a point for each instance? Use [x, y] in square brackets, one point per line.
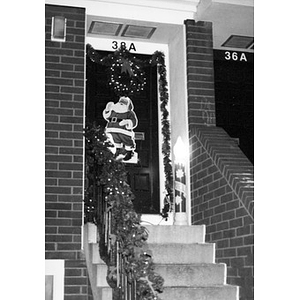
[122, 242]
[125, 279]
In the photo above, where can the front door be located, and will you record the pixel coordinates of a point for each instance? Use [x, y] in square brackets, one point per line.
[143, 176]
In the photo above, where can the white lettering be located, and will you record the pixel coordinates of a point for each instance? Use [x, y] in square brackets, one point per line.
[234, 56]
[243, 57]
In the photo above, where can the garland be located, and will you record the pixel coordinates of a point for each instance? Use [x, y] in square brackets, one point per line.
[116, 62]
[104, 171]
[158, 58]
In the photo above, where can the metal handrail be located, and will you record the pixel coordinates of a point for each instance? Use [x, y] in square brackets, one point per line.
[125, 280]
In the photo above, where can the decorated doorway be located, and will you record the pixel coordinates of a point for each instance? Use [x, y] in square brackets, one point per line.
[111, 76]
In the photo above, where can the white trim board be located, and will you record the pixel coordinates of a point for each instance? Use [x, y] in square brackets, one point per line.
[56, 267]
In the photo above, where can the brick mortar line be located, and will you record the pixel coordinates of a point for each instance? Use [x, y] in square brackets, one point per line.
[190, 51]
[202, 61]
[211, 98]
[196, 80]
[193, 81]
[240, 200]
[205, 38]
[191, 66]
[199, 88]
[191, 60]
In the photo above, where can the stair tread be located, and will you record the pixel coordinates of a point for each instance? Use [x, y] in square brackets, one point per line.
[202, 286]
[178, 244]
[196, 275]
[181, 244]
[180, 227]
[191, 264]
[177, 234]
[183, 253]
[216, 292]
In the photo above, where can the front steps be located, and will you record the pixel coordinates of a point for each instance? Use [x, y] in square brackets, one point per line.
[187, 264]
[97, 269]
[181, 257]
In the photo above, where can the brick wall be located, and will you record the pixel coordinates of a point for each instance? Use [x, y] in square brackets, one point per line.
[200, 73]
[64, 117]
[221, 175]
[222, 199]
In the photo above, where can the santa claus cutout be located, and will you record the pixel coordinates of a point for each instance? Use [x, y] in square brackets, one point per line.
[121, 120]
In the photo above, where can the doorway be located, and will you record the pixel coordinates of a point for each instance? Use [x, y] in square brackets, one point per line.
[234, 96]
[143, 176]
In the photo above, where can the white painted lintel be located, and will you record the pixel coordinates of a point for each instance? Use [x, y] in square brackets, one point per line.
[136, 10]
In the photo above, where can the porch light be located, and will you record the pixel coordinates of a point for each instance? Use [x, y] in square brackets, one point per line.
[180, 182]
[180, 151]
[58, 29]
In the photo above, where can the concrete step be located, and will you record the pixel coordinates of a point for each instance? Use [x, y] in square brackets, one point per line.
[183, 253]
[95, 254]
[223, 292]
[176, 234]
[106, 293]
[101, 267]
[192, 275]
[103, 291]
[101, 275]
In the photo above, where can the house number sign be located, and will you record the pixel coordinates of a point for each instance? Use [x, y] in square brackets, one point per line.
[236, 56]
[116, 45]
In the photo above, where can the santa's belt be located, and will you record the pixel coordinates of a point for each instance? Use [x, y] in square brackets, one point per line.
[114, 119]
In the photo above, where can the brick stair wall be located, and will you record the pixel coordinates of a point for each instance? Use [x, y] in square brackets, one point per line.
[222, 195]
[64, 117]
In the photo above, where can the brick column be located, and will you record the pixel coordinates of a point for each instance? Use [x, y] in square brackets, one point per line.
[64, 117]
[200, 73]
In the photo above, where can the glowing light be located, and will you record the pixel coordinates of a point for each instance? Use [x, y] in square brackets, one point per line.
[180, 151]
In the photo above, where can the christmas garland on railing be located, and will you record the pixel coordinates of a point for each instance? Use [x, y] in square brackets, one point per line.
[103, 170]
[132, 65]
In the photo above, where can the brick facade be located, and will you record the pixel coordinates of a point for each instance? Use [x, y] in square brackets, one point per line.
[222, 194]
[64, 117]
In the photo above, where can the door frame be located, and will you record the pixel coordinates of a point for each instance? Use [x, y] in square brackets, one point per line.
[109, 44]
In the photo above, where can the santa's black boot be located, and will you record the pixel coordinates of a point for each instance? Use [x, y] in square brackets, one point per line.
[117, 154]
[128, 155]
[120, 154]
